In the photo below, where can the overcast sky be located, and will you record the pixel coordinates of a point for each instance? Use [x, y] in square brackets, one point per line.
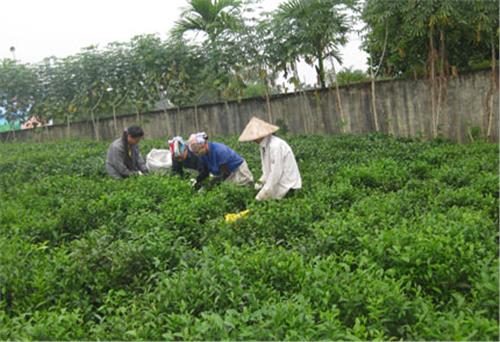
[42, 28]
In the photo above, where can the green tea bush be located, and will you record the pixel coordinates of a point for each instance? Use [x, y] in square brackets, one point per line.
[389, 239]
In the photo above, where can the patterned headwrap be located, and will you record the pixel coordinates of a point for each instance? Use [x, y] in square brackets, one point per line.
[197, 141]
[177, 147]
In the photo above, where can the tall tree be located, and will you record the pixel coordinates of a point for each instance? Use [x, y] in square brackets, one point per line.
[259, 68]
[216, 21]
[211, 17]
[313, 30]
[90, 75]
[484, 20]
[379, 14]
[17, 90]
[409, 24]
[150, 65]
[117, 78]
[431, 37]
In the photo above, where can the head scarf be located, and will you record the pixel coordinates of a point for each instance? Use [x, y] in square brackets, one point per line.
[197, 141]
[177, 146]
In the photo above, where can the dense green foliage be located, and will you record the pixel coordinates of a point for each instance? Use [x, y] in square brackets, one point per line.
[414, 34]
[389, 239]
[229, 49]
[348, 76]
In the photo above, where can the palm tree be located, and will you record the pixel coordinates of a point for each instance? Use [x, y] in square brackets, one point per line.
[212, 17]
[314, 29]
[215, 18]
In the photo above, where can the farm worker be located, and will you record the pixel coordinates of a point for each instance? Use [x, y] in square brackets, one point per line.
[220, 160]
[280, 173]
[124, 158]
[182, 158]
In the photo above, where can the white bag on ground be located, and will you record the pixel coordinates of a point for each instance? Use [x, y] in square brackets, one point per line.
[159, 160]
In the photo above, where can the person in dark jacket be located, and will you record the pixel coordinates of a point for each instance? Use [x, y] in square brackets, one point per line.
[124, 158]
[183, 158]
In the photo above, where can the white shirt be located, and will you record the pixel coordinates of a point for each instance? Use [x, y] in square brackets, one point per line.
[280, 172]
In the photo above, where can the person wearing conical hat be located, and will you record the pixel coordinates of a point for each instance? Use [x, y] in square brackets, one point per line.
[280, 173]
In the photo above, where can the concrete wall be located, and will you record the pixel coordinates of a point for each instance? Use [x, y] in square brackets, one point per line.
[404, 109]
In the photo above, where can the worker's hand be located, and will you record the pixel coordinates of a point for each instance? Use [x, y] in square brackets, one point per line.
[263, 195]
[225, 172]
[192, 182]
[139, 173]
[258, 185]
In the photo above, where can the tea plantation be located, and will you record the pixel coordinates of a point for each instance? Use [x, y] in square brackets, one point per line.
[389, 239]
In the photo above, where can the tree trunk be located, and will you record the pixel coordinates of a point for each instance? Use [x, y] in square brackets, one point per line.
[165, 112]
[68, 127]
[469, 134]
[374, 75]
[167, 121]
[196, 123]
[115, 105]
[94, 125]
[433, 80]
[268, 104]
[178, 120]
[47, 131]
[97, 128]
[374, 103]
[494, 85]
[93, 118]
[137, 114]
[339, 100]
[442, 77]
[321, 70]
[263, 77]
[219, 91]
[114, 120]
[303, 99]
[228, 113]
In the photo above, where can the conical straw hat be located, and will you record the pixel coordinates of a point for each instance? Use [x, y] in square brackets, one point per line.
[257, 129]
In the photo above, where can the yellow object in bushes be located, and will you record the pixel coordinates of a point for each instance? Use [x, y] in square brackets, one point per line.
[233, 217]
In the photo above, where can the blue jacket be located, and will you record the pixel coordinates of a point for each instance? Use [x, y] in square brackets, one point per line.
[218, 155]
